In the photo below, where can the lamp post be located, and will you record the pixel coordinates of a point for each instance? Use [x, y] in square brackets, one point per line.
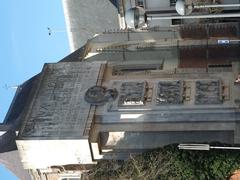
[183, 8]
[204, 147]
[137, 17]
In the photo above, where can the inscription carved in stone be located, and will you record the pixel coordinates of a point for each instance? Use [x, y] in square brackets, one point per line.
[59, 109]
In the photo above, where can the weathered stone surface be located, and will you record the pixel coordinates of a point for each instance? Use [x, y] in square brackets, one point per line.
[208, 92]
[58, 109]
[169, 92]
[132, 93]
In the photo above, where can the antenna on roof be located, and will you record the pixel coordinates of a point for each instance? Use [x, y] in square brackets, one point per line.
[51, 31]
[7, 87]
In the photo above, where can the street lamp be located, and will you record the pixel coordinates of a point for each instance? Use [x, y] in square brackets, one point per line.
[204, 147]
[183, 8]
[137, 17]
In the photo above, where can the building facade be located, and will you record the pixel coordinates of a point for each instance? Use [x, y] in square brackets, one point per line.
[130, 93]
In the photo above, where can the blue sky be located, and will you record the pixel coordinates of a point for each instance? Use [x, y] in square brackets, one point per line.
[26, 45]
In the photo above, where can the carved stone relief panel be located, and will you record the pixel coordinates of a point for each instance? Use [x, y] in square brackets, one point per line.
[169, 92]
[132, 93]
[208, 92]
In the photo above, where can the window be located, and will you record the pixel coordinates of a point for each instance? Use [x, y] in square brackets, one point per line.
[126, 69]
[220, 66]
[70, 178]
[177, 21]
[172, 2]
[140, 3]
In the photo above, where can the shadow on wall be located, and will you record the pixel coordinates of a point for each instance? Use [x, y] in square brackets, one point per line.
[119, 145]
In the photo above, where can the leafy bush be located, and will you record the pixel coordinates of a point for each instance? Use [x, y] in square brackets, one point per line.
[171, 163]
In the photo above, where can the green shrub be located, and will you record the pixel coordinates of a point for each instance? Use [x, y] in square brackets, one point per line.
[171, 163]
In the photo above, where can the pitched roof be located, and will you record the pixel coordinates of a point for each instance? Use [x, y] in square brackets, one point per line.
[18, 103]
[12, 161]
[84, 19]
[9, 156]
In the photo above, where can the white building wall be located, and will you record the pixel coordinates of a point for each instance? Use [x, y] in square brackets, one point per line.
[41, 154]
